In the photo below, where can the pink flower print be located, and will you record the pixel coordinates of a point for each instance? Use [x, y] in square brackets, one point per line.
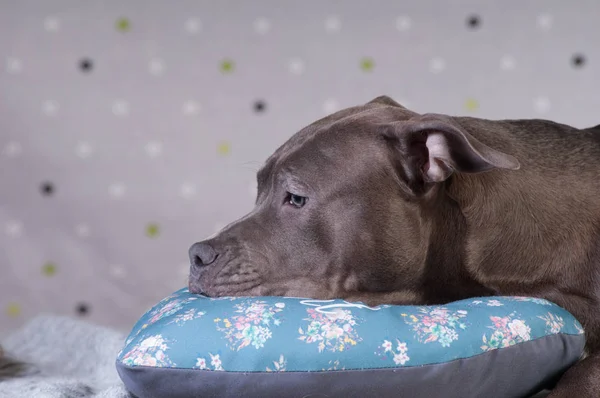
[439, 313]
[252, 326]
[332, 330]
[518, 328]
[401, 347]
[506, 332]
[169, 309]
[149, 352]
[499, 322]
[215, 361]
[436, 324]
[387, 346]
[148, 361]
[201, 363]
[400, 356]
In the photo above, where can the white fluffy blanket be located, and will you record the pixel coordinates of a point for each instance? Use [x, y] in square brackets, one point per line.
[69, 358]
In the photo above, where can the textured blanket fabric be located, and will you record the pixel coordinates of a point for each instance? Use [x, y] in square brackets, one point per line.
[69, 358]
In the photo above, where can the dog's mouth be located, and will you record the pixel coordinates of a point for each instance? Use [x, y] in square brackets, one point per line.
[210, 283]
[195, 288]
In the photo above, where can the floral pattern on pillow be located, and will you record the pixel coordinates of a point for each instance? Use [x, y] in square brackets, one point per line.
[150, 352]
[437, 324]
[252, 324]
[506, 331]
[283, 334]
[333, 330]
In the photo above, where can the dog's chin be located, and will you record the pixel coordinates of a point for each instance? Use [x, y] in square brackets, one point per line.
[245, 289]
[195, 288]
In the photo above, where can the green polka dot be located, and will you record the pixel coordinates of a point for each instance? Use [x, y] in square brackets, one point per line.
[123, 25]
[224, 148]
[13, 309]
[367, 64]
[49, 269]
[227, 66]
[471, 104]
[152, 230]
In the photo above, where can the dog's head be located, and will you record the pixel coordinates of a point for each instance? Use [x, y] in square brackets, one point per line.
[342, 207]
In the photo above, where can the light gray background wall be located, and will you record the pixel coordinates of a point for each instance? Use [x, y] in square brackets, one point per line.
[108, 174]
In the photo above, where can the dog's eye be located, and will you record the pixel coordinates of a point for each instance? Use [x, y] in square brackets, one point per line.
[296, 200]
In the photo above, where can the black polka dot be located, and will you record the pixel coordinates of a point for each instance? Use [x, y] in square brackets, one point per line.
[47, 189]
[473, 21]
[86, 65]
[82, 309]
[578, 60]
[260, 106]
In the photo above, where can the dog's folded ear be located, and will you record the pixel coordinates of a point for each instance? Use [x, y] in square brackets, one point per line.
[431, 147]
[386, 101]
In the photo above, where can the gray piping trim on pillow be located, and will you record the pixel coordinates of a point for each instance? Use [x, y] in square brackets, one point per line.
[493, 374]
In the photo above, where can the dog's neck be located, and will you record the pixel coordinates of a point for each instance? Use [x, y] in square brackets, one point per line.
[509, 223]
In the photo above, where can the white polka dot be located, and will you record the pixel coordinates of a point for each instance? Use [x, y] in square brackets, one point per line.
[51, 24]
[545, 21]
[541, 104]
[296, 66]
[13, 65]
[13, 228]
[84, 150]
[187, 190]
[403, 23]
[82, 230]
[333, 24]
[120, 107]
[153, 148]
[12, 149]
[116, 190]
[436, 65]
[191, 107]
[117, 271]
[262, 26]
[193, 25]
[156, 67]
[508, 62]
[330, 106]
[50, 107]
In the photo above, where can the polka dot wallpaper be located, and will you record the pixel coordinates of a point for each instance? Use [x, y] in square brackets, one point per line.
[130, 130]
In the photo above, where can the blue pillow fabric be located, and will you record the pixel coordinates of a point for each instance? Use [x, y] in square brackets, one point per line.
[191, 345]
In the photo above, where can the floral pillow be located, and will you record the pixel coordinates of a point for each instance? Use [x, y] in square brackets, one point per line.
[190, 345]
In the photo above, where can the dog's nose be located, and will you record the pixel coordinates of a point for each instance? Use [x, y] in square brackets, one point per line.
[202, 254]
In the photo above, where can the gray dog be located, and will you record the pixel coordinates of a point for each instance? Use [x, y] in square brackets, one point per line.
[379, 204]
